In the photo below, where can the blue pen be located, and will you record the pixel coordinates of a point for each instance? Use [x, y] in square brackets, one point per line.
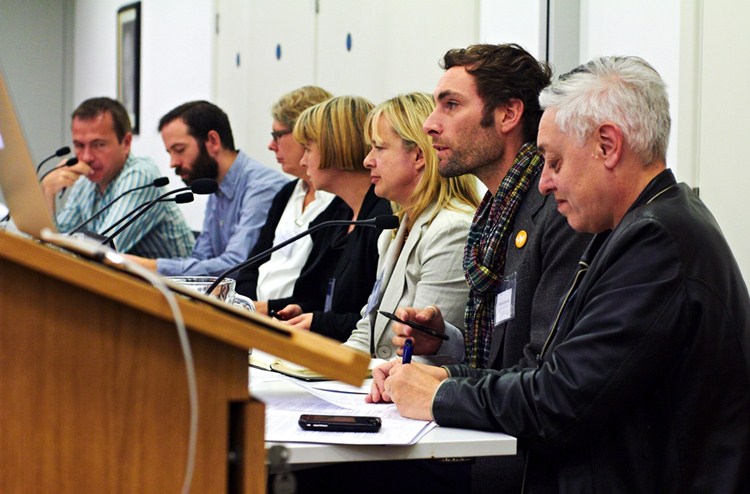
[408, 347]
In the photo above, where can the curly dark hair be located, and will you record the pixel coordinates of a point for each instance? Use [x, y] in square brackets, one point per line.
[503, 72]
[201, 117]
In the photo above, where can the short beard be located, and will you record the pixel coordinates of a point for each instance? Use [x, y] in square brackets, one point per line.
[479, 160]
[204, 166]
[452, 167]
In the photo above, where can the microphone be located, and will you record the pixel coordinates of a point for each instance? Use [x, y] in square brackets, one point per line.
[69, 162]
[60, 152]
[159, 182]
[384, 222]
[101, 237]
[182, 198]
[199, 186]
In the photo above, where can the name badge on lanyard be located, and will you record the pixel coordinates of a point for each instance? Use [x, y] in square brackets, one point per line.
[505, 301]
[374, 298]
[329, 295]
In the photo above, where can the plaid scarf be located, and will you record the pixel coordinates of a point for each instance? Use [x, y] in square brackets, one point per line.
[484, 256]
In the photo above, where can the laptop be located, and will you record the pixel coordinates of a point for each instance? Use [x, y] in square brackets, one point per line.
[28, 208]
[23, 195]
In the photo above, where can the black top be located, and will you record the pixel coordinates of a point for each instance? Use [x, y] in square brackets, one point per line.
[356, 254]
[318, 267]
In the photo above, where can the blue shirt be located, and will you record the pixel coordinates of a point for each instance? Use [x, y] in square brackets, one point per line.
[234, 216]
[161, 231]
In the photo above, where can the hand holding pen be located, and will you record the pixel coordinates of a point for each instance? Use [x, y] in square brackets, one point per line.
[425, 327]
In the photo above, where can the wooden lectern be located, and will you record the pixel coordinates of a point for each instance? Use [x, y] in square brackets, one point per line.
[93, 393]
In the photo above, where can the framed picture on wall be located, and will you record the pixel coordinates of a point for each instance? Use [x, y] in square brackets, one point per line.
[129, 60]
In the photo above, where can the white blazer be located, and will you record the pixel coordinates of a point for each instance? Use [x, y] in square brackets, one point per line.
[428, 270]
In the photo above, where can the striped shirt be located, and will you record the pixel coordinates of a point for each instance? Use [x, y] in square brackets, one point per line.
[161, 231]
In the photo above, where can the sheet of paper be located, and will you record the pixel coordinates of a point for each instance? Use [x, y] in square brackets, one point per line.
[284, 405]
[339, 387]
[282, 426]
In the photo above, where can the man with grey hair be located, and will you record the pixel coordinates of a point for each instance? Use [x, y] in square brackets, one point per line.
[643, 384]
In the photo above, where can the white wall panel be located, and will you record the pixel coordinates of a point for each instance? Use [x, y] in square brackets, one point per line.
[645, 28]
[723, 120]
[416, 39]
[361, 67]
[511, 21]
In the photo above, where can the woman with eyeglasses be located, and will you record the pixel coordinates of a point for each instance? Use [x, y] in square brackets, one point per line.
[297, 206]
[332, 134]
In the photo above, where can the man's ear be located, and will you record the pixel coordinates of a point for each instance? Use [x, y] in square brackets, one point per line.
[510, 115]
[609, 143]
[127, 140]
[213, 143]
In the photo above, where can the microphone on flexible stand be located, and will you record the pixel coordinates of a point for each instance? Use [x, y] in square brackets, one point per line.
[183, 198]
[199, 186]
[59, 153]
[384, 222]
[159, 182]
[103, 239]
[69, 162]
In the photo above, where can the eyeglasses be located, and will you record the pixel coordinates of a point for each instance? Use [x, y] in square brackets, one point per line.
[278, 134]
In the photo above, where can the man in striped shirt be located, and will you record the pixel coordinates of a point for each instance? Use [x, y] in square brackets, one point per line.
[102, 137]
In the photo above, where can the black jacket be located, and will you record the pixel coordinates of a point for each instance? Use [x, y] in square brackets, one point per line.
[356, 254]
[645, 386]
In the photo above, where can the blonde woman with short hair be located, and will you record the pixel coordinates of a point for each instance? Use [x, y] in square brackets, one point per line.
[332, 134]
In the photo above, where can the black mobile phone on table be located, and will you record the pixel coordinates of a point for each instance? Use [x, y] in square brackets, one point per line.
[339, 423]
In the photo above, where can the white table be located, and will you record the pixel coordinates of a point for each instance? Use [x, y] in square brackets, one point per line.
[441, 442]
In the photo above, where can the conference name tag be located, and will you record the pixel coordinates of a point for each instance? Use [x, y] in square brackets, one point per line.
[505, 301]
[374, 298]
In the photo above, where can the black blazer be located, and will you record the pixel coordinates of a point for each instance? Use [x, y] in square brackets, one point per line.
[356, 256]
[544, 266]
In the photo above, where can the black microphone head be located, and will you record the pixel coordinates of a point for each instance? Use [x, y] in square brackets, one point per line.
[386, 221]
[161, 181]
[184, 197]
[62, 151]
[204, 186]
[71, 161]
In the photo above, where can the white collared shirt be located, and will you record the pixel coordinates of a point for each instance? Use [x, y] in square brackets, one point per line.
[276, 277]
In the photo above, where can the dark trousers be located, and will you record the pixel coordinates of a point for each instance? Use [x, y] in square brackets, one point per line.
[393, 477]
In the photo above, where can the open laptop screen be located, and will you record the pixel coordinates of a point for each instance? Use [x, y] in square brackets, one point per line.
[21, 191]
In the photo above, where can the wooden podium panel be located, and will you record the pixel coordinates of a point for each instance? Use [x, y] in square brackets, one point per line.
[93, 390]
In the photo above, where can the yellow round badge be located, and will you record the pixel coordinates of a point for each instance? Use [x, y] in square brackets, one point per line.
[521, 238]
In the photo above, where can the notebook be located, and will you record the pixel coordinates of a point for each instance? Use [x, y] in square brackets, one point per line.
[22, 193]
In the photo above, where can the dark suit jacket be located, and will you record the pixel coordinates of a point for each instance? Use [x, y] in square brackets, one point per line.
[544, 266]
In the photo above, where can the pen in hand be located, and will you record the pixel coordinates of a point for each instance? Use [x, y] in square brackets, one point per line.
[415, 325]
[408, 347]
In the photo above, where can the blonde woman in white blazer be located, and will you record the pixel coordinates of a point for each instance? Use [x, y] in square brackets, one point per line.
[422, 263]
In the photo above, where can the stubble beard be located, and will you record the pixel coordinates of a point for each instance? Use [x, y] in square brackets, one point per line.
[480, 157]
